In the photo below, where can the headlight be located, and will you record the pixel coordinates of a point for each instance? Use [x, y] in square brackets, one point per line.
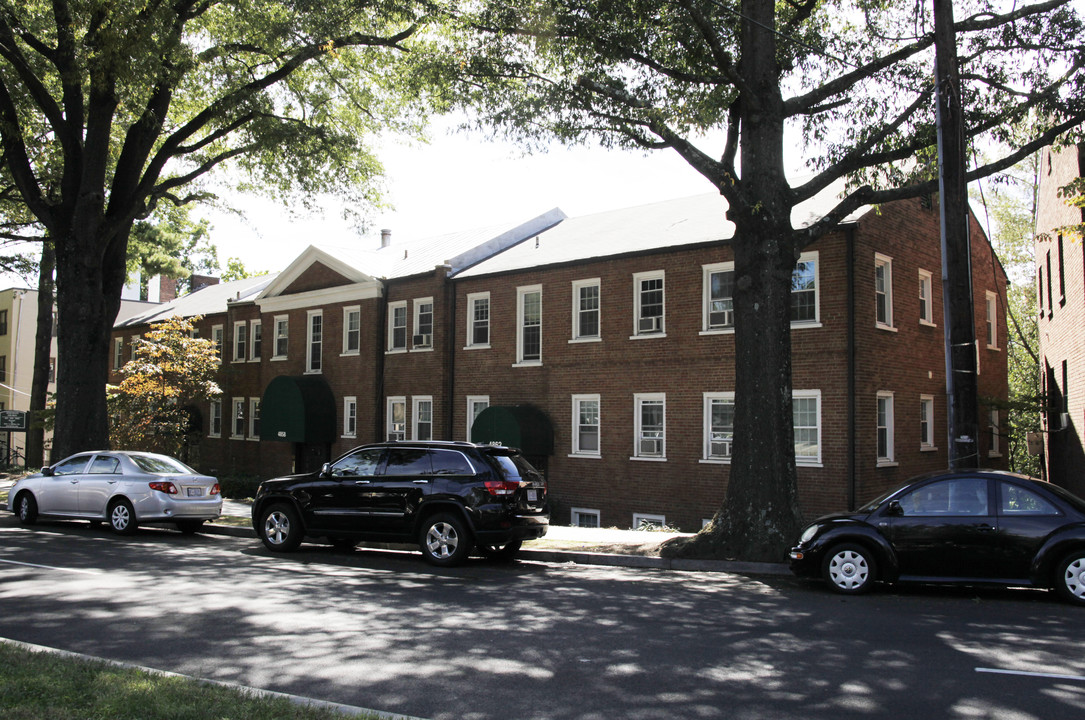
[808, 534]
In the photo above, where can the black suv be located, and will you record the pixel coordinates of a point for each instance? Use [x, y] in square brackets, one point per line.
[449, 497]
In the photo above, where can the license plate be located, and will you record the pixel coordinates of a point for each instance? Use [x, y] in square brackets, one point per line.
[532, 495]
[195, 492]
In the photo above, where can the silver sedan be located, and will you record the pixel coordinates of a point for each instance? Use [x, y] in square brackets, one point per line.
[122, 488]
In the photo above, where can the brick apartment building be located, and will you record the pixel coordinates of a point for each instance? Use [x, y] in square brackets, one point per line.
[603, 346]
[1060, 271]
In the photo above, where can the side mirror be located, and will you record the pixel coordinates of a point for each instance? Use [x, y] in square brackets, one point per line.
[894, 509]
[47, 471]
[326, 470]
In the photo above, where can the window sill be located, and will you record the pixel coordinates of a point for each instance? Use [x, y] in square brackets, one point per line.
[648, 336]
[887, 328]
[396, 351]
[350, 353]
[576, 341]
[887, 464]
[348, 437]
[649, 459]
[809, 325]
[808, 463]
[528, 363]
[714, 461]
[422, 349]
[586, 456]
[476, 347]
[994, 454]
[312, 372]
[717, 331]
[279, 358]
[995, 348]
[927, 323]
[928, 448]
[254, 359]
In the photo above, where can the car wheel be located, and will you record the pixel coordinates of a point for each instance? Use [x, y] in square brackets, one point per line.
[849, 569]
[189, 527]
[1070, 578]
[502, 553]
[122, 518]
[280, 528]
[26, 507]
[445, 540]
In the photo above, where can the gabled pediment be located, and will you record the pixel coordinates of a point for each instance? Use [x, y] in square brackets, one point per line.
[317, 277]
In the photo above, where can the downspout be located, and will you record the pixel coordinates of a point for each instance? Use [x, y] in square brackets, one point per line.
[450, 365]
[382, 343]
[849, 239]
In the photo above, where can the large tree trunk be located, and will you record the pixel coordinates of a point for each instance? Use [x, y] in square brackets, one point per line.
[43, 345]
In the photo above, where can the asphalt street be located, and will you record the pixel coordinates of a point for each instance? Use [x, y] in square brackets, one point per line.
[536, 639]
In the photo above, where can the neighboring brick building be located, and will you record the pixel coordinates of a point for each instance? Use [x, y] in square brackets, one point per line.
[1060, 268]
[603, 346]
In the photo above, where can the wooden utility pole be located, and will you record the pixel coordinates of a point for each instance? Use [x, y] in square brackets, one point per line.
[957, 302]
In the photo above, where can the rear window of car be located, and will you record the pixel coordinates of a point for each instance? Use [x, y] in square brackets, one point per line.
[160, 464]
[451, 462]
[407, 461]
[515, 466]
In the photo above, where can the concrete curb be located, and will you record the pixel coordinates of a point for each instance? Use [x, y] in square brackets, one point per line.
[583, 558]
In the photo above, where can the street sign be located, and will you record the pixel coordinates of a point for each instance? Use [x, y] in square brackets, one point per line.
[14, 420]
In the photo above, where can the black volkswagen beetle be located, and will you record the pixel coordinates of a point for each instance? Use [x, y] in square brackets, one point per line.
[967, 527]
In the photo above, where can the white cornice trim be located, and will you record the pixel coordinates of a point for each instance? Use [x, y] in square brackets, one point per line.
[326, 296]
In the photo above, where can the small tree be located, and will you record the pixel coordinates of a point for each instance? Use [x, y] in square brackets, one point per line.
[169, 369]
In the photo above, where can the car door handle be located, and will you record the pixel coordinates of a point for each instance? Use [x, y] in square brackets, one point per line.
[362, 482]
[420, 482]
[985, 528]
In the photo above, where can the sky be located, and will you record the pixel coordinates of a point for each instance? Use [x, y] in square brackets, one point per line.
[461, 182]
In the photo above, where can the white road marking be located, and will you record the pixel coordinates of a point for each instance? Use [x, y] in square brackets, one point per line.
[1049, 676]
[51, 567]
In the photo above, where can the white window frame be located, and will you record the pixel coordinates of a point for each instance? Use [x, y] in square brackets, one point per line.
[707, 271]
[237, 413]
[639, 401]
[659, 329]
[350, 416]
[577, 402]
[810, 257]
[389, 425]
[522, 294]
[350, 335]
[135, 343]
[711, 398]
[314, 346]
[472, 402]
[217, 337]
[392, 346]
[815, 395]
[640, 519]
[885, 264]
[578, 335]
[254, 418]
[256, 329]
[993, 449]
[926, 298]
[926, 417]
[118, 353]
[885, 422]
[282, 337]
[417, 403]
[472, 300]
[425, 340]
[241, 341]
[991, 325]
[215, 417]
[576, 513]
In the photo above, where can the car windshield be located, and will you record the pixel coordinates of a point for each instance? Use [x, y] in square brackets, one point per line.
[873, 504]
[160, 464]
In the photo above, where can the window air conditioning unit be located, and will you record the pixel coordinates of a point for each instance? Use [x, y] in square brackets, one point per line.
[423, 340]
[649, 324]
[651, 447]
[721, 318]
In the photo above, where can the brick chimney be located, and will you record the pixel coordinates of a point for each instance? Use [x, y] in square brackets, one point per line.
[199, 282]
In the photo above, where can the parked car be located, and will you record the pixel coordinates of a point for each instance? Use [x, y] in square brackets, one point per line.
[448, 497]
[969, 527]
[123, 488]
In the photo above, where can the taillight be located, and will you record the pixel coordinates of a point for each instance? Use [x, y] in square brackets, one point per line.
[164, 487]
[501, 488]
[215, 489]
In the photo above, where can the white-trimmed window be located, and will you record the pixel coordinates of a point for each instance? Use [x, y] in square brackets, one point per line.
[350, 416]
[254, 418]
[883, 291]
[352, 330]
[993, 449]
[282, 336]
[718, 311]
[885, 428]
[215, 419]
[422, 415]
[314, 348]
[118, 353]
[397, 326]
[529, 325]
[805, 289]
[241, 341]
[649, 311]
[586, 315]
[650, 431]
[396, 418]
[991, 324]
[135, 344]
[423, 324]
[645, 521]
[926, 422]
[475, 405]
[237, 418]
[585, 518]
[806, 420]
[586, 426]
[216, 337]
[478, 320]
[926, 298]
[719, 426]
[256, 347]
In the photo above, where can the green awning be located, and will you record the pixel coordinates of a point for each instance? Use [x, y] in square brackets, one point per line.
[519, 426]
[298, 409]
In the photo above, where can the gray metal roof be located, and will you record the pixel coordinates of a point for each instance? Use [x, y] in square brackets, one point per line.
[205, 301]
